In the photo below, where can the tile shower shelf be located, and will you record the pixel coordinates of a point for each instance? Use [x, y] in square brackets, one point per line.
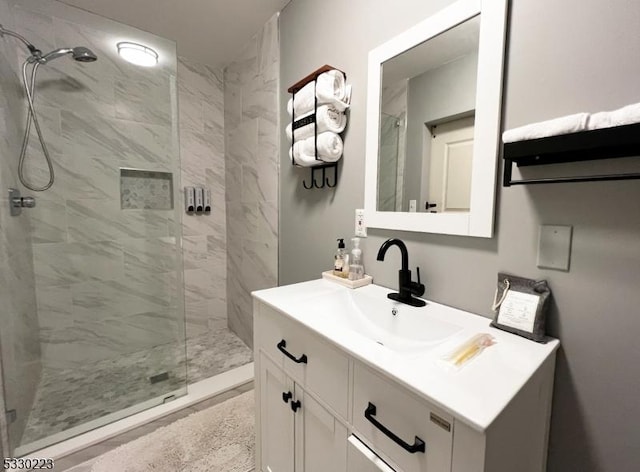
[599, 144]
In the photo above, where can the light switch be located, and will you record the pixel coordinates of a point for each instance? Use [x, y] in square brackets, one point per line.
[554, 247]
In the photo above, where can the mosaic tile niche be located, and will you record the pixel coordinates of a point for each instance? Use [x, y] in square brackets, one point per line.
[146, 190]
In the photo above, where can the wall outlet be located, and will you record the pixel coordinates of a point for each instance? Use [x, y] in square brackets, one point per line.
[413, 206]
[361, 228]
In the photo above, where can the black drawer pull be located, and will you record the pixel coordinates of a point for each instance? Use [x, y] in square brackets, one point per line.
[417, 446]
[286, 396]
[295, 405]
[301, 360]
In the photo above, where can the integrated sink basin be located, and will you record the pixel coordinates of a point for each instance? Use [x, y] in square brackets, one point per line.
[337, 338]
[369, 313]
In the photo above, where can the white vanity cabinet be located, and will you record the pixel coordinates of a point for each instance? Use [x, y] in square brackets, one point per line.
[296, 431]
[326, 404]
[276, 431]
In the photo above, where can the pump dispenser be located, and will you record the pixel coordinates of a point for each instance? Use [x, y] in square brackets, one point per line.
[341, 262]
[356, 269]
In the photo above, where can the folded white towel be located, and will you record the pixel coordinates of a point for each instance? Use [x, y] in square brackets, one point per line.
[330, 147]
[599, 120]
[328, 118]
[563, 125]
[626, 115]
[330, 88]
[620, 117]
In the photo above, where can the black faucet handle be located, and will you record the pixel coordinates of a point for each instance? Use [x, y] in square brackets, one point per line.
[417, 288]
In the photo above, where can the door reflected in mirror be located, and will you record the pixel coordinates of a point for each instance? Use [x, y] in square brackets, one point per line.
[427, 115]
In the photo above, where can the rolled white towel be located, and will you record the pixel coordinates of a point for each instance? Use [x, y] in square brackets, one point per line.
[563, 125]
[328, 117]
[330, 147]
[330, 87]
[301, 159]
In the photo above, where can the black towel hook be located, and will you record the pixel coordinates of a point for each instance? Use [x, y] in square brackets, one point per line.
[335, 177]
[309, 187]
[324, 181]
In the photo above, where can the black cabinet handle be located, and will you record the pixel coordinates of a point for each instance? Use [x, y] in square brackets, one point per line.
[300, 360]
[295, 405]
[286, 396]
[417, 446]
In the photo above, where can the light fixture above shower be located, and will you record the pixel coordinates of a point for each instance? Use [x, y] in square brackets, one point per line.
[137, 54]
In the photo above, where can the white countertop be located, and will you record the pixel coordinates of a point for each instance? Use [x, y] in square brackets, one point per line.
[475, 393]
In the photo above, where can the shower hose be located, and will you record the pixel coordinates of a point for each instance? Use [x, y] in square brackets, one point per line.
[29, 88]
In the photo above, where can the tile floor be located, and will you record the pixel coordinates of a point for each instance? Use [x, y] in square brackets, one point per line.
[67, 398]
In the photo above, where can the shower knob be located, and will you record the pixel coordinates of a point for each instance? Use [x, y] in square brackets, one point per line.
[18, 202]
[28, 202]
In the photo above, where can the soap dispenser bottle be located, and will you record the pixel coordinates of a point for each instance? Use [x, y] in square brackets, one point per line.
[341, 261]
[356, 269]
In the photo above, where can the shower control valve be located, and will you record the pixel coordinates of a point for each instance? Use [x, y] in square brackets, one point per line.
[27, 202]
[18, 202]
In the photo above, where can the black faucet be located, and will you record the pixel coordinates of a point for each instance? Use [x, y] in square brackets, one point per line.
[406, 287]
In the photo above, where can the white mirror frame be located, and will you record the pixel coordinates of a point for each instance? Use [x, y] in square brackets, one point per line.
[479, 220]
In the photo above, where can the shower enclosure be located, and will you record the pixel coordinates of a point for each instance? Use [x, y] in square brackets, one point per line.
[92, 317]
[391, 162]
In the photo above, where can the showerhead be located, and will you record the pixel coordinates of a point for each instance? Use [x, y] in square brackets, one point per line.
[80, 54]
[35, 59]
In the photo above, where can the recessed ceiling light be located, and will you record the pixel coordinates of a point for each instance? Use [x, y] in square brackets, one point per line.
[137, 54]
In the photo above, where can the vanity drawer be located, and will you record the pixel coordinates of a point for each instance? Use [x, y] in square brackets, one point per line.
[383, 409]
[362, 459]
[310, 361]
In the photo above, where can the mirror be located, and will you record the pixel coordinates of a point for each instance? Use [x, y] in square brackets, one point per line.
[432, 142]
[427, 111]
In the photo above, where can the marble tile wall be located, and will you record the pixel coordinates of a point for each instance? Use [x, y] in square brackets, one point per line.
[20, 349]
[251, 85]
[108, 281]
[202, 149]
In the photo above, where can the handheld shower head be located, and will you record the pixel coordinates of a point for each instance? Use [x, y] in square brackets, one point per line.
[50, 56]
[35, 59]
[80, 54]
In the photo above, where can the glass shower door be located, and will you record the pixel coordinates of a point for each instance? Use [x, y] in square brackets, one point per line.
[388, 162]
[96, 323]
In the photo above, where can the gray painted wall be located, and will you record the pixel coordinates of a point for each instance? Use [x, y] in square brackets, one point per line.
[563, 57]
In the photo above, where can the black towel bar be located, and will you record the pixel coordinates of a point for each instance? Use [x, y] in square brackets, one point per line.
[599, 144]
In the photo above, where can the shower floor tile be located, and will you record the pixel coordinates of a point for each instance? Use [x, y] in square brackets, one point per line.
[70, 397]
